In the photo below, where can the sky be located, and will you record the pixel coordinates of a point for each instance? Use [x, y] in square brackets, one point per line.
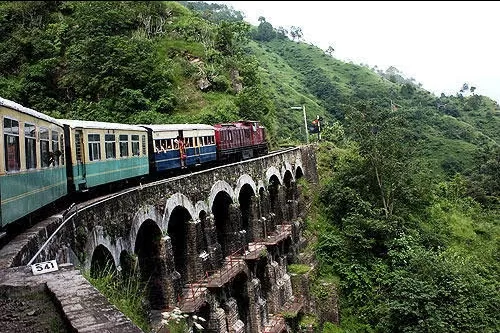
[442, 45]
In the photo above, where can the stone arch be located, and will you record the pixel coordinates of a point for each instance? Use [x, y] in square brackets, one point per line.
[176, 200]
[148, 212]
[219, 186]
[288, 178]
[247, 200]
[148, 248]
[97, 238]
[299, 172]
[225, 220]
[275, 190]
[244, 179]
[199, 207]
[260, 186]
[100, 261]
[273, 171]
[178, 231]
[287, 167]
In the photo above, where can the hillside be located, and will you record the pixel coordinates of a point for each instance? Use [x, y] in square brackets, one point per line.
[406, 218]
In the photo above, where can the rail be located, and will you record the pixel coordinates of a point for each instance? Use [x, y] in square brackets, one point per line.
[222, 275]
[193, 296]
[55, 232]
[281, 232]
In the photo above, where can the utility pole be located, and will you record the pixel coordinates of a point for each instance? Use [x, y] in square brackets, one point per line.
[319, 128]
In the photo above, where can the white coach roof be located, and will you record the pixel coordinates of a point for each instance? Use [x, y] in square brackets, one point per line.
[18, 107]
[101, 125]
[177, 127]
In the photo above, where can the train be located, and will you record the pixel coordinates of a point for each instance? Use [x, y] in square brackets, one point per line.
[46, 159]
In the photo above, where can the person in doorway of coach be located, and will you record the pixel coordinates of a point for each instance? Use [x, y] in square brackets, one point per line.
[182, 150]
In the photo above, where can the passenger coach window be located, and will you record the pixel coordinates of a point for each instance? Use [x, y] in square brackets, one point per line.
[11, 138]
[135, 145]
[44, 146]
[94, 147]
[30, 145]
[55, 147]
[110, 145]
[123, 145]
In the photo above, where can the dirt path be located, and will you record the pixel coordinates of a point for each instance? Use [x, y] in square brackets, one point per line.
[25, 311]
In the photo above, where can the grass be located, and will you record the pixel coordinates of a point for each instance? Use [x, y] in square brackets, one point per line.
[299, 269]
[126, 293]
[308, 321]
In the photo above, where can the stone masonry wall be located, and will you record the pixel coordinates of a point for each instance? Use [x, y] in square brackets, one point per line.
[113, 221]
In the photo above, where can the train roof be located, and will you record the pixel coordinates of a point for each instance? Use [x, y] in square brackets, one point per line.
[101, 125]
[18, 107]
[177, 127]
[239, 123]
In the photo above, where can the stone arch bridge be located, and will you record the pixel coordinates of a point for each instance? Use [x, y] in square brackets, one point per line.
[215, 242]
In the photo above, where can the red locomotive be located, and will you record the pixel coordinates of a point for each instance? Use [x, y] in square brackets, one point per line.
[240, 140]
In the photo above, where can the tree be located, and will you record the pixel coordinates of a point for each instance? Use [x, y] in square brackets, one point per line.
[465, 87]
[330, 50]
[282, 33]
[387, 144]
[230, 37]
[265, 31]
[296, 32]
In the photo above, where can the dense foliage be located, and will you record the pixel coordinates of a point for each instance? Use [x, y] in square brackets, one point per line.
[128, 61]
[407, 213]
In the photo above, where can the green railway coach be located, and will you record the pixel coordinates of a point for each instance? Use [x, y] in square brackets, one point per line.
[32, 165]
[103, 153]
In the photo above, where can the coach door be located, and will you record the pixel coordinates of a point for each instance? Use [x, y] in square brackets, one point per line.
[80, 159]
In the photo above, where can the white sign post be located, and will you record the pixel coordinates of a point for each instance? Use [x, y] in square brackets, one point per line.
[44, 267]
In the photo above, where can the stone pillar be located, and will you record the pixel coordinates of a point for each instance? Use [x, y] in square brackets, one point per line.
[292, 201]
[235, 237]
[217, 317]
[267, 217]
[264, 203]
[281, 286]
[328, 307]
[309, 165]
[301, 288]
[234, 324]
[264, 311]
[214, 249]
[194, 270]
[271, 223]
[217, 322]
[255, 230]
[256, 302]
[170, 280]
[301, 205]
[295, 190]
[281, 209]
